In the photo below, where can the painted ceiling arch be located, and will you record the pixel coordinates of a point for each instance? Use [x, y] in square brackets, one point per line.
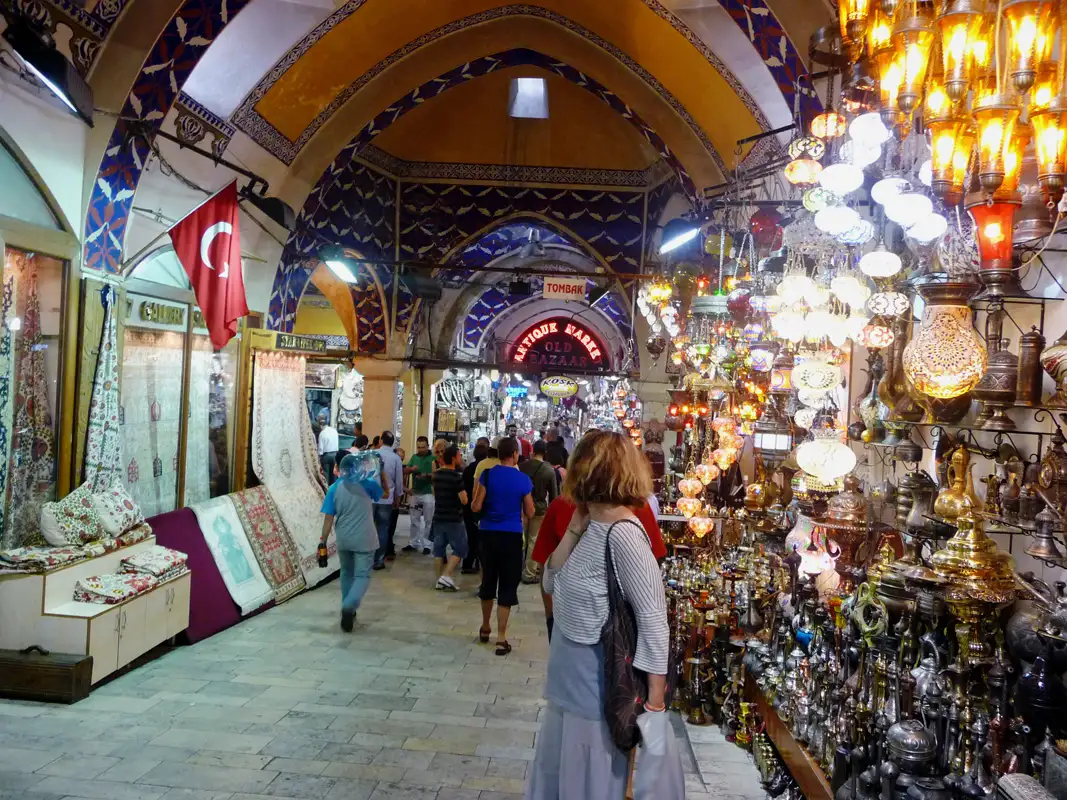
[197, 23]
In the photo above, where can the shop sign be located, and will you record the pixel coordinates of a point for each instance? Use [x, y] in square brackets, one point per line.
[559, 386]
[517, 391]
[558, 343]
[309, 344]
[564, 289]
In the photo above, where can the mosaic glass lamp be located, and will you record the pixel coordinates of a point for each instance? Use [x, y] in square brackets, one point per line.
[946, 358]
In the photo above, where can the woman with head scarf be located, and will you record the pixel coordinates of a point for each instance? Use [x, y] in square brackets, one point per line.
[349, 510]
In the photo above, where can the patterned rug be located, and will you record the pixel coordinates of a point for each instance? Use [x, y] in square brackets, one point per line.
[282, 459]
[103, 443]
[233, 554]
[270, 542]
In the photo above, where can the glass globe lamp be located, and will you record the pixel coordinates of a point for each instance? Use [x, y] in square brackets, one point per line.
[841, 179]
[876, 335]
[829, 125]
[869, 130]
[946, 358]
[826, 456]
[701, 526]
[888, 304]
[803, 171]
[859, 234]
[689, 506]
[807, 147]
[858, 156]
[880, 263]
[928, 229]
[887, 188]
[908, 208]
[816, 374]
[850, 289]
[817, 198]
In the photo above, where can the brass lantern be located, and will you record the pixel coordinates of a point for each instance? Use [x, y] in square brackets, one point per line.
[913, 38]
[996, 116]
[1050, 146]
[890, 77]
[1013, 160]
[853, 14]
[1031, 30]
[952, 140]
[961, 40]
[1046, 86]
[879, 32]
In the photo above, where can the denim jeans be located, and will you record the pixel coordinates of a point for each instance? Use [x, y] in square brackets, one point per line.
[355, 577]
[383, 513]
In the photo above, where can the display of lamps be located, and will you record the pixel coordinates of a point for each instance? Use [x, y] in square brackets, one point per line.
[1031, 30]
[993, 230]
[1050, 145]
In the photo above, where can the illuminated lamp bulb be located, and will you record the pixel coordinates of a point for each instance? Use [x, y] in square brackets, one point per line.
[1045, 87]
[995, 116]
[826, 457]
[856, 323]
[993, 230]
[888, 188]
[961, 27]
[829, 125]
[836, 220]
[805, 417]
[913, 38]
[838, 333]
[928, 229]
[852, 15]
[672, 410]
[690, 487]
[704, 473]
[841, 179]
[688, 424]
[638, 441]
[627, 423]
[859, 234]
[908, 208]
[619, 413]
[703, 411]
[1050, 146]
[689, 506]
[1013, 158]
[803, 171]
[793, 288]
[1031, 30]
[701, 526]
[890, 64]
[952, 140]
[685, 408]
[879, 30]
[761, 360]
[677, 357]
[869, 130]
[724, 457]
[880, 263]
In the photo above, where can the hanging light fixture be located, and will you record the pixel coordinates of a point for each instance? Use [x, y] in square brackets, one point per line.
[1031, 30]
[996, 116]
[993, 230]
[853, 16]
[952, 140]
[1050, 146]
[880, 263]
[913, 38]
[841, 179]
[803, 171]
[961, 28]
[829, 125]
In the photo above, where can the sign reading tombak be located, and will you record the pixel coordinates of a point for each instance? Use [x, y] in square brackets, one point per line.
[564, 289]
[558, 343]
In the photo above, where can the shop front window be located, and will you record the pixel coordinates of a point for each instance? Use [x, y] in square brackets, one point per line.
[30, 358]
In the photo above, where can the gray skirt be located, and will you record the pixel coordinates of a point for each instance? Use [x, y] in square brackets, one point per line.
[576, 758]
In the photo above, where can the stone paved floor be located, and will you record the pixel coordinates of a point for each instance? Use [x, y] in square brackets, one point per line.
[285, 705]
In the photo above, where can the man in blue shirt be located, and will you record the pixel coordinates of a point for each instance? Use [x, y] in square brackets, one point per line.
[393, 468]
[348, 508]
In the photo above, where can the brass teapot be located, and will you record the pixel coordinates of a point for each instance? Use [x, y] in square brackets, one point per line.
[958, 497]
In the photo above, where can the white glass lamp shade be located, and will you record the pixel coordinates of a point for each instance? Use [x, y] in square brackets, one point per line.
[869, 130]
[794, 288]
[805, 417]
[814, 399]
[841, 179]
[826, 457]
[789, 325]
[908, 208]
[838, 333]
[817, 198]
[762, 360]
[817, 324]
[888, 188]
[926, 172]
[851, 290]
[928, 229]
[861, 233]
[888, 304]
[880, 263]
[859, 155]
[836, 219]
[816, 374]
[855, 324]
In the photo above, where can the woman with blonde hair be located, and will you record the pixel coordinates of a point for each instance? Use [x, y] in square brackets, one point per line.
[577, 759]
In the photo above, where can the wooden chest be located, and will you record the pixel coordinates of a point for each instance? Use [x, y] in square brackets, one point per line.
[37, 674]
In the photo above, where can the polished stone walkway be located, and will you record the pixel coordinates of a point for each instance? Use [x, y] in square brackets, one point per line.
[285, 705]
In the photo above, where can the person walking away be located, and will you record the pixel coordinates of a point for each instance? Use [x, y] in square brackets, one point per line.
[558, 518]
[556, 455]
[349, 508]
[328, 444]
[492, 459]
[525, 448]
[393, 469]
[450, 498]
[420, 467]
[390, 552]
[545, 490]
[504, 495]
[472, 563]
[576, 758]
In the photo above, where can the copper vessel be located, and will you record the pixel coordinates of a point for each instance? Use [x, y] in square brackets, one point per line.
[997, 388]
[1028, 383]
[959, 497]
[1054, 360]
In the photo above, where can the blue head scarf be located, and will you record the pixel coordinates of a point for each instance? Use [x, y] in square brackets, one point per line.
[361, 470]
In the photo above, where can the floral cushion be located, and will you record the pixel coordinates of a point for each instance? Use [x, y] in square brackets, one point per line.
[39, 559]
[154, 561]
[117, 511]
[73, 520]
[113, 588]
[135, 535]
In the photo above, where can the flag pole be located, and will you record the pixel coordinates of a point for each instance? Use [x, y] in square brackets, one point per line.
[155, 239]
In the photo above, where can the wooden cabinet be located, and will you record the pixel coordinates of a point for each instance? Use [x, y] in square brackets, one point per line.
[167, 611]
[104, 642]
[178, 616]
[132, 631]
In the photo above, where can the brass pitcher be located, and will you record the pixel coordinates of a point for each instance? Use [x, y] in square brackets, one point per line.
[959, 496]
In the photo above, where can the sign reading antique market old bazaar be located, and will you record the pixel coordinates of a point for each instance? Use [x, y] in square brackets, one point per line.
[559, 342]
[559, 386]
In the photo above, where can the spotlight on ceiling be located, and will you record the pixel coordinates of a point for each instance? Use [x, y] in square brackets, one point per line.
[37, 52]
[676, 233]
[533, 247]
[273, 209]
[333, 256]
[520, 288]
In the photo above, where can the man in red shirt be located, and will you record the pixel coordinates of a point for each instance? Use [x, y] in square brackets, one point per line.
[558, 517]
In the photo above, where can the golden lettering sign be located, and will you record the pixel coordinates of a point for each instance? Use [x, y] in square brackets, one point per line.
[289, 341]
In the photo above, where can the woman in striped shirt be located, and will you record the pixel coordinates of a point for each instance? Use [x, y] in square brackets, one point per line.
[607, 477]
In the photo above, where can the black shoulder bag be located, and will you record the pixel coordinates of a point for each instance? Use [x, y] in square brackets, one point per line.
[625, 686]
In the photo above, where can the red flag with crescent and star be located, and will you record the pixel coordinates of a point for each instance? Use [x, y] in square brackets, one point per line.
[208, 245]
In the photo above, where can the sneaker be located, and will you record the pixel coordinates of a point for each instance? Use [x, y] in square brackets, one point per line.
[426, 551]
[379, 566]
[348, 619]
[408, 549]
[446, 584]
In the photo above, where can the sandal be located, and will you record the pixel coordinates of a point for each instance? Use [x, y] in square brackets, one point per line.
[503, 648]
[483, 635]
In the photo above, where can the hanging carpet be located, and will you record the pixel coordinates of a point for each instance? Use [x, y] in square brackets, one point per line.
[270, 542]
[283, 460]
[103, 444]
[237, 563]
[7, 399]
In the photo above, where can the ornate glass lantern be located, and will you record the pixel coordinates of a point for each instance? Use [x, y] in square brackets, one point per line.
[947, 357]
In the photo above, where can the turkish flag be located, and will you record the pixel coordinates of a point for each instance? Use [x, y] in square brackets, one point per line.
[208, 245]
